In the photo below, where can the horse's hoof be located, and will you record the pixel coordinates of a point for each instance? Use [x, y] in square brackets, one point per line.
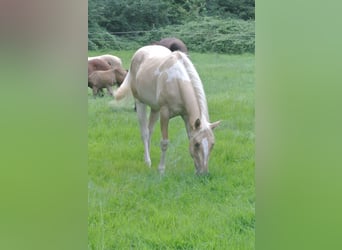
[161, 170]
[148, 163]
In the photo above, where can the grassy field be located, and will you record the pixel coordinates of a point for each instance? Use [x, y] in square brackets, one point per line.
[132, 207]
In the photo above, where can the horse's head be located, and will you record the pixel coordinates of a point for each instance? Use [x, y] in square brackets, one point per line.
[120, 74]
[201, 143]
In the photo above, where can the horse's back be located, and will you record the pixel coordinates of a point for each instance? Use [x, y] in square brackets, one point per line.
[143, 73]
[113, 61]
[160, 77]
[97, 64]
[148, 54]
[145, 64]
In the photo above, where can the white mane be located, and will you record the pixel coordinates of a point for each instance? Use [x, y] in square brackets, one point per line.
[198, 87]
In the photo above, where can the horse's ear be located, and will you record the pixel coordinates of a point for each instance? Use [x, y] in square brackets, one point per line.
[197, 123]
[214, 125]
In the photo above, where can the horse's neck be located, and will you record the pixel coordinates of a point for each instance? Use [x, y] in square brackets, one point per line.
[193, 109]
[193, 112]
[191, 104]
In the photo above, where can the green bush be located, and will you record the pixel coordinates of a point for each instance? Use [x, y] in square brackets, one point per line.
[211, 34]
[207, 34]
[92, 45]
[213, 26]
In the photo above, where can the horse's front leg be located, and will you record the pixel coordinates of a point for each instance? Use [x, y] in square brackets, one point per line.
[142, 116]
[95, 91]
[164, 124]
[110, 90]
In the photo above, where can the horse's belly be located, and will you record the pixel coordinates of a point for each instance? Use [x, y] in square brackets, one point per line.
[148, 100]
[145, 92]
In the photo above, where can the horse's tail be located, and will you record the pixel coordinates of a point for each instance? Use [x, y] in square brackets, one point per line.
[124, 89]
[197, 84]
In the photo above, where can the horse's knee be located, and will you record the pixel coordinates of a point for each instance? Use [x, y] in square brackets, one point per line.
[164, 144]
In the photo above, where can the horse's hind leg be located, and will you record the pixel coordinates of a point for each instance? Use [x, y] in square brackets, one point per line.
[144, 131]
[164, 124]
[154, 115]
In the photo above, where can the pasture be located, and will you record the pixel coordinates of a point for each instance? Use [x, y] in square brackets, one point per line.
[130, 206]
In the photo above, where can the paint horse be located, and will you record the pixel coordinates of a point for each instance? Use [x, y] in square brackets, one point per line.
[172, 44]
[169, 83]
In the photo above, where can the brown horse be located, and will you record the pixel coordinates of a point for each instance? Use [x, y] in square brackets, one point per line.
[100, 79]
[169, 83]
[104, 63]
[172, 44]
[96, 64]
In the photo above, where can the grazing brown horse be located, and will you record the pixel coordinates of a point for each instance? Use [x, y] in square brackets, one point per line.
[100, 79]
[169, 83]
[172, 44]
[96, 64]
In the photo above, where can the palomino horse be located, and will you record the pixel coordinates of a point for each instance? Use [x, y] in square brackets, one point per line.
[172, 44]
[169, 83]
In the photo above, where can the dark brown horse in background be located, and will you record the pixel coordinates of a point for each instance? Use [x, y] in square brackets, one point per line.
[172, 44]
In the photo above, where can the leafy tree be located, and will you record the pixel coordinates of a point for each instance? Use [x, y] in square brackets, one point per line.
[243, 9]
[121, 24]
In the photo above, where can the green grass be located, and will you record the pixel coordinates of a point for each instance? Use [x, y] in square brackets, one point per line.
[132, 207]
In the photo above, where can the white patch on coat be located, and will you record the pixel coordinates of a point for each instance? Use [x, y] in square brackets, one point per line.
[205, 149]
[157, 72]
[177, 71]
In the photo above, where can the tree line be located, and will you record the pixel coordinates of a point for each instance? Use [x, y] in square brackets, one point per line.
[125, 24]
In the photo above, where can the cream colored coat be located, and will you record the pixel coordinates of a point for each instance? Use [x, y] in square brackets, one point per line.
[169, 83]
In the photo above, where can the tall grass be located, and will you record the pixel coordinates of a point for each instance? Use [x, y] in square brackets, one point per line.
[132, 207]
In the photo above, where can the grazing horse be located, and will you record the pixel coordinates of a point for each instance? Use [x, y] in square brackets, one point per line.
[103, 63]
[94, 65]
[169, 83]
[172, 44]
[100, 79]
